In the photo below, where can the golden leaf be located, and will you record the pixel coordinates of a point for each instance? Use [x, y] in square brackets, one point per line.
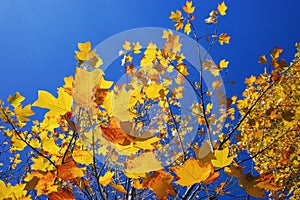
[59, 106]
[188, 8]
[262, 59]
[85, 86]
[106, 179]
[83, 157]
[223, 38]
[85, 49]
[145, 162]
[15, 100]
[222, 159]
[23, 113]
[192, 171]
[222, 8]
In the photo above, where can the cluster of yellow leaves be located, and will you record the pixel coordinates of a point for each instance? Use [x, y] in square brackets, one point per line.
[179, 19]
[270, 132]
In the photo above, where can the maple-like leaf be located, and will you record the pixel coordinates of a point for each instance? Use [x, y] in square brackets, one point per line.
[145, 162]
[83, 157]
[188, 8]
[262, 59]
[249, 81]
[176, 16]
[23, 113]
[50, 146]
[173, 43]
[222, 159]
[15, 100]
[192, 171]
[161, 184]
[85, 49]
[57, 106]
[223, 38]
[41, 164]
[223, 64]
[85, 86]
[222, 8]
[69, 171]
[106, 179]
[127, 45]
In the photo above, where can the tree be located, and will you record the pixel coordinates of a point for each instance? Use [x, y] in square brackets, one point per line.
[144, 138]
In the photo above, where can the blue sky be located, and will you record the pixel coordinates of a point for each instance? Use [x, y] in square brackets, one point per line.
[38, 38]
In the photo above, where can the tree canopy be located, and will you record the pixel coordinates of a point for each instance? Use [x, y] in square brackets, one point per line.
[164, 128]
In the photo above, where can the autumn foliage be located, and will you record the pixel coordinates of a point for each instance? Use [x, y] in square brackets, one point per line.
[102, 140]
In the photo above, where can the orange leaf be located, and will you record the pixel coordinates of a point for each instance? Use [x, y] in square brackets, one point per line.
[64, 194]
[115, 134]
[70, 171]
[161, 184]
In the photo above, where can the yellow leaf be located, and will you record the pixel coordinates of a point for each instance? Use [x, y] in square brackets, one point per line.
[176, 16]
[120, 107]
[249, 81]
[59, 106]
[152, 91]
[223, 38]
[50, 146]
[85, 49]
[187, 28]
[127, 46]
[223, 64]
[262, 59]
[222, 159]
[16, 99]
[106, 179]
[192, 171]
[69, 83]
[208, 108]
[166, 34]
[136, 48]
[145, 162]
[188, 8]
[85, 87]
[49, 123]
[41, 164]
[222, 8]
[83, 157]
[135, 175]
[17, 144]
[23, 113]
